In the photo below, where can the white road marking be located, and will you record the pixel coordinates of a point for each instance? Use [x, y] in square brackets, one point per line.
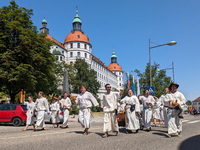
[185, 120]
[194, 121]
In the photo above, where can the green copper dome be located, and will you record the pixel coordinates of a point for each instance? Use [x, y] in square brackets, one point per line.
[113, 55]
[44, 21]
[58, 51]
[77, 18]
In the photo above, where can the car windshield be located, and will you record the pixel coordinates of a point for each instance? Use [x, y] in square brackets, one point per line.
[24, 107]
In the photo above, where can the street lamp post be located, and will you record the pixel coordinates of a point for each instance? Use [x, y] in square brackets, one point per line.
[170, 44]
[168, 69]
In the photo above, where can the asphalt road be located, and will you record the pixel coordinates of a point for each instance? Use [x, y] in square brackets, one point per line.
[71, 138]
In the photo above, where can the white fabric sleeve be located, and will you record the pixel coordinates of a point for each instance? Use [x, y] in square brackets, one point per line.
[152, 101]
[124, 99]
[46, 105]
[137, 104]
[93, 99]
[35, 105]
[77, 100]
[25, 103]
[183, 100]
[58, 106]
[69, 104]
[118, 95]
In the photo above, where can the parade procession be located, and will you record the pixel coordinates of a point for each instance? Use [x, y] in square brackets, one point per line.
[99, 75]
[153, 110]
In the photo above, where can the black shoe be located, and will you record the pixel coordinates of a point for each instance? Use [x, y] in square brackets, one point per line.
[137, 130]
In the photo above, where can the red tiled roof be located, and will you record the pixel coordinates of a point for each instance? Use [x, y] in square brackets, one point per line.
[77, 36]
[57, 42]
[197, 100]
[114, 67]
[98, 61]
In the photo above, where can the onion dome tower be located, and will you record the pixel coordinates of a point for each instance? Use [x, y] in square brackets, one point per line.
[77, 43]
[44, 28]
[117, 69]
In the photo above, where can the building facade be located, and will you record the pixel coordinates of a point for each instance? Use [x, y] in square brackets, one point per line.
[77, 45]
[196, 104]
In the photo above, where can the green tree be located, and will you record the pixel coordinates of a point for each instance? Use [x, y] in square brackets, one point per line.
[87, 77]
[188, 102]
[159, 79]
[25, 60]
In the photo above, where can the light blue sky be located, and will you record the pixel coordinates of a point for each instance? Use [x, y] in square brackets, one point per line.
[127, 26]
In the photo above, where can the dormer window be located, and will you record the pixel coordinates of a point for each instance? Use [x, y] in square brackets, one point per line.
[78, 36]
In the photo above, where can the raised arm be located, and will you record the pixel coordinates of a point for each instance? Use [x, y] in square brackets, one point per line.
[137, 105]
[93, 99]
[182, 100]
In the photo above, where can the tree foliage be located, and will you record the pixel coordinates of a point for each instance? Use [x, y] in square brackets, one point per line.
[85, 76]
[159, 79]
[25, 60]
[188, 102]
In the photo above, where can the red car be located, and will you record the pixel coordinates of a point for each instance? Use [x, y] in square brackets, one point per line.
[12, 113]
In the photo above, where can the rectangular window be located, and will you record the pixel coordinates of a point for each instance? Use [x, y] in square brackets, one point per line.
[78, 45]
[85, 55]
[78, 54]
[85, 46]
[60, 58]
[71, 54]
[199, 103]
[71, 45]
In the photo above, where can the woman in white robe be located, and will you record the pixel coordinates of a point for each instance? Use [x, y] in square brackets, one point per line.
[30, 118]
[131, 119]
[156, 110]
[55, 108]
[148, 102]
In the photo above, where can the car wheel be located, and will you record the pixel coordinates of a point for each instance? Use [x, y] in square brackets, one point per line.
[17, 122]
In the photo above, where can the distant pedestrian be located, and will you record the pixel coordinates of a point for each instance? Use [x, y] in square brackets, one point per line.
[30, 118]
[55, 108]
[66, 105]
[110, 111]
[41, 105]
[85, 100]
[156, 110]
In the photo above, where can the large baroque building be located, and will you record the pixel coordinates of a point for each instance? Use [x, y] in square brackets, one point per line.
[77, 45]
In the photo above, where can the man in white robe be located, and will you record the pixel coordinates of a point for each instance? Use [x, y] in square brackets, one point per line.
[156, 110]
[110, 111]
[164, 108]
[66, 105]
[175, 101]
[41, 105]
[85, 100]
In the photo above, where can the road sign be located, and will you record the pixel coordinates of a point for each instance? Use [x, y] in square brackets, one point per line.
[151, 89]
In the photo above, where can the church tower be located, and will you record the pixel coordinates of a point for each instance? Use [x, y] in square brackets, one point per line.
[116, 68]
[44, 28]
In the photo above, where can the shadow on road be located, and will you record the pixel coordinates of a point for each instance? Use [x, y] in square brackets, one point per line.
[159, 130]
[191, 143]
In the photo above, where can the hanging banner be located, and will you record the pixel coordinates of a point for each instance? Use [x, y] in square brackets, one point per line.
[21, 95]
